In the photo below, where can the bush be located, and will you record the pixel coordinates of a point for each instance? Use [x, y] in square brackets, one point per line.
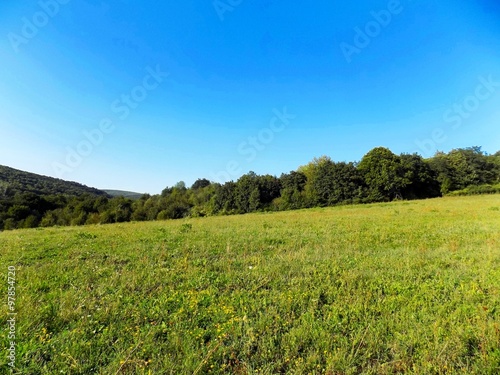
[80, 220]
[9, 224]
[93, 218]
[477, 190]
[49, 220]
[30, 222]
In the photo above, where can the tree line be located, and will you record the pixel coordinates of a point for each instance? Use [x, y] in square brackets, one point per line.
[380, 176]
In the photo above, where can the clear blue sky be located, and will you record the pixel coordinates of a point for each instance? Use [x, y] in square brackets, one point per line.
[67, 68]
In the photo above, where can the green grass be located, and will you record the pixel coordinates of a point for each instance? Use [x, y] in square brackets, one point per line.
[405, 287]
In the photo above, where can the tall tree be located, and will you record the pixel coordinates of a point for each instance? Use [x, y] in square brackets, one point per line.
[245, 186]
[419, 179]
[200, 184]
[383, 173]
[292, 192]
[348, 185]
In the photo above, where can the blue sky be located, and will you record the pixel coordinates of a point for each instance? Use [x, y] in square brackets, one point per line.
[174, 91]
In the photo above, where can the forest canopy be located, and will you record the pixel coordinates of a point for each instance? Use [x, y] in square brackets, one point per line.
[28, 200]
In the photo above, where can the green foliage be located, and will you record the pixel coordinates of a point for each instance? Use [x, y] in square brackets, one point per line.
[477, 190]
[320, 182]
[292, 194]
[384, 174]
[186, 227]
[246, 187]
[13, 181]
[223, 200]
[380, 176]
[461, 168]
[420, 180]
[200, 184]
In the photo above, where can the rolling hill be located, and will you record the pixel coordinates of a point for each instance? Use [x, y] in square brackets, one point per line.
[122, 193]
[14, 181]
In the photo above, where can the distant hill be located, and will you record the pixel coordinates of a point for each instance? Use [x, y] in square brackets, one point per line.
[121, 193]
[14, 181]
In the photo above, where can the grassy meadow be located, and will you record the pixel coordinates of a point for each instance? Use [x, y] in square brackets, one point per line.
[397, 288]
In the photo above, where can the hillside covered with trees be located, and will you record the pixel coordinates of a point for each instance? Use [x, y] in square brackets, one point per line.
[29, 200]
[14, 181]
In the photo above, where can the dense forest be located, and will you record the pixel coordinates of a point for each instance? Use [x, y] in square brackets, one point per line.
[13, 181]
[28, 200]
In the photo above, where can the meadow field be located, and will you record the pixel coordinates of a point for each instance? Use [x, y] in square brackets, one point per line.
[396, 288]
